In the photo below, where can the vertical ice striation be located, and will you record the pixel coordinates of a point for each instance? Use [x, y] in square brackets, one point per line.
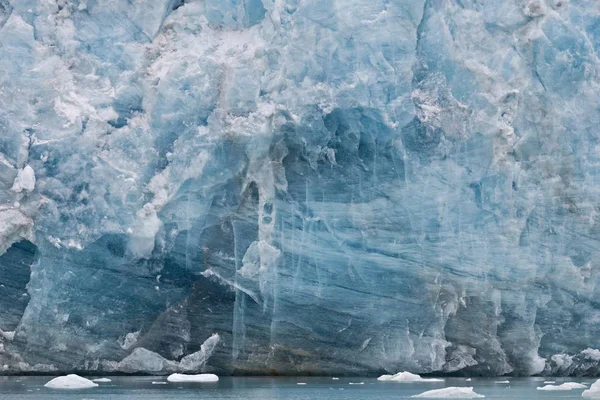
[316, 186]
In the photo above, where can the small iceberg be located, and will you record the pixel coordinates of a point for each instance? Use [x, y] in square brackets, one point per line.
[450, 393]
[70, 381]
[468, 380]
[356, 383]
[502, 382]
[159, 383]
[301, 383]
[546, 382]
[406, 377]
[335, 379]
[593, 391]
[102, 380]
[202, 378]
[564, 386]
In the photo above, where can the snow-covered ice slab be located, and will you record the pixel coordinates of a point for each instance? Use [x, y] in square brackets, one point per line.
[564, 386]
[70, 381]
[202, 378]
[407, 377]
[450, 393]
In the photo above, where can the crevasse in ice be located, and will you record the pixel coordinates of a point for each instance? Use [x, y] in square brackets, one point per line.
[329, 186]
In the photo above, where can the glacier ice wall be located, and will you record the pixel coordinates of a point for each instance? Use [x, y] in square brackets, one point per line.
[300, 186]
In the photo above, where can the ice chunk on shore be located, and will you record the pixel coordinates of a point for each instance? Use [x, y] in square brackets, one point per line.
[70, 381]
[102, 380]
[450, 393]
[193, 378]
[407, 377]
[593, 391]
[564, 386]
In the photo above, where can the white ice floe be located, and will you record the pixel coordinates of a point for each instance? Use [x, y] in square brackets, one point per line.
[356, 383]
[193, 378]
[335, 379]
[502, 382]
[71, 381]
[102, 380]
[450, 393]
[301, 383]
[546, 382]
[159, 383]
[406, 377]
[564, 386]
[593, 391]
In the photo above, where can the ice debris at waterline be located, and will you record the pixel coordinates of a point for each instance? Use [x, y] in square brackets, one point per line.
[450, 393]
[70, 381]
[407, 377]
[200, 378]
[102, 380]
[593, 391]
[424, 174]
[564, 386]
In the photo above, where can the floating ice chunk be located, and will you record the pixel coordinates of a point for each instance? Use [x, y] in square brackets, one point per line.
[356, 383]
[159, 383]
[335, 379]
[549, 382]
[193, 378]
[593, 391]
[102, 380]
[564, 386]
[25, 180]
[407, 377]
[450, 393]
[502, 382]
[70, 381]
[301, 383]
[468, 380]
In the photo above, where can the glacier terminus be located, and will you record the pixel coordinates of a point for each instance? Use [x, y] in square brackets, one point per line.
[299, 187]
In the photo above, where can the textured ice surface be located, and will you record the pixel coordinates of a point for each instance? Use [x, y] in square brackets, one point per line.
[564, 386]
[331, 186]
[593, 391]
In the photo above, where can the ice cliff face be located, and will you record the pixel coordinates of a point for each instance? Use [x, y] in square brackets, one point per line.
[328, 186]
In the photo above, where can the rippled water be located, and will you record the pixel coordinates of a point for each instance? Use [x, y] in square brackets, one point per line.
[142, 388]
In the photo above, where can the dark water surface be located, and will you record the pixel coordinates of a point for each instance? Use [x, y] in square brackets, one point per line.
[267, 388]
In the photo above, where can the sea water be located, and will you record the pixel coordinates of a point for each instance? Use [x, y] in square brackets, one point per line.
[272, 388]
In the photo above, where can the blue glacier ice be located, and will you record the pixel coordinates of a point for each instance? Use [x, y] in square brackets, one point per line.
[300, 186]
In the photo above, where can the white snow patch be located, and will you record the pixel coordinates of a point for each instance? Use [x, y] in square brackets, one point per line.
[70, 381]
[193, 378]
[450, 393]
[564, 386]
[407, 377]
